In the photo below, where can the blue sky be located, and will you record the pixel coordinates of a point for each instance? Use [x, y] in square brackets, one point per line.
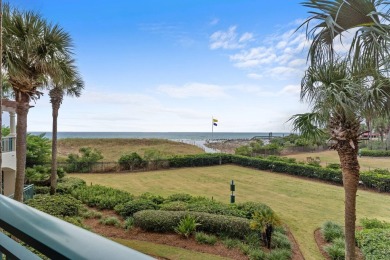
[167, 66]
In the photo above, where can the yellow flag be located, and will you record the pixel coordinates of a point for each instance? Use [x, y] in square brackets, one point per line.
[215, 120]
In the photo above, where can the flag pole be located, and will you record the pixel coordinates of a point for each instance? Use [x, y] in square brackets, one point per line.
[212, 128]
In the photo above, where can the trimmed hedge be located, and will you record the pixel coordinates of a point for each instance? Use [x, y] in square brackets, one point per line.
[374, 243]
[166, 221]
[375, 153]
[199, 160]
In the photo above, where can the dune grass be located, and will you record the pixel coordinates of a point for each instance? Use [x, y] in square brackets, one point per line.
[113, 148]
[366, 163]
[166, 252]
[302, 204]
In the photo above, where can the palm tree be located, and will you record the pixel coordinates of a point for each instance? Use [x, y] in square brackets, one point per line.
[69, 84]
[335, 95]
[366, 65]
[32, 51]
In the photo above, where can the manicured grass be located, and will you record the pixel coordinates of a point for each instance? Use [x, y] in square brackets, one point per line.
[166, 252]
[327, 157]
[303, 205]
[113, 148]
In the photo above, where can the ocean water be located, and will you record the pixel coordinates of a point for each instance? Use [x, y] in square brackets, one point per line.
[163, 135]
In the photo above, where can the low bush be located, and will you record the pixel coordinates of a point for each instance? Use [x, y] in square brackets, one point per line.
[374, 223]
[131, 161]
[174, 206]
[68, 184]
[180, 197]
[129, 223]
[334, 166]
[280, 240]
[41, 190]
[101, 197]
[129, 208]
[187, 226]
[375, 153]
[203, 238]
[40, 175]
[249, 208]
[279, 254]
[91, 214]
[231, 242]
[110, 221]
[166, 221]
[336, 250]
[331, 231]
[257, 254]
[157, 199]
[206, 159]
[374, 242]
[83, 162]
[56, 205]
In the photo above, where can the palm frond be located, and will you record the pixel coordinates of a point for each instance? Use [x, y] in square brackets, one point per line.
[309, 125]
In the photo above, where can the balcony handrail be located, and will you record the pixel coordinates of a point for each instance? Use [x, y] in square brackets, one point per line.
[28, 192]
[56, 238]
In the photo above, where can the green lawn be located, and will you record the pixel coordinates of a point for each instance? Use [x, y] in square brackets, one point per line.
[326, 157]
[303, 205]
[166, 252]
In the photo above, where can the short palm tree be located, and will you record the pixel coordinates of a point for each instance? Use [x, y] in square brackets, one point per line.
[70, 84]
[335, 95]
[31, 54]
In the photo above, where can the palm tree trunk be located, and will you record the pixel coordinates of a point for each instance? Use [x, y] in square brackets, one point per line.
[1, 98]
[350, 167]
[22, 108]
[53, 177]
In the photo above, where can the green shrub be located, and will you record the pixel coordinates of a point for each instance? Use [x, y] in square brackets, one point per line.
[101, 197]
[245, 248]
[334, 166]
[253, 239]
[180, 197]
[187, 226]
[41, 190]
[280, 240]
[257, 254]
[129, 223]
[374, 243]
[336, 250]
[374, 223]
[214, 207]
[249, 208]
[77, 221]
[331, 231]
[206, 159]
[279, 254]
[203, 238]
[129, 208]
[166, 221]
[39, 175]
[91, 214]
[231, 242]
[56, 205]
[157, 199]
[68, 184]
[131, 161]
[83, 163]
[110, 221]
[174, 206]
[375, 153]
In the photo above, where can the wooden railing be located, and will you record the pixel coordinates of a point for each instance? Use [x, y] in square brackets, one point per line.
[53, 237]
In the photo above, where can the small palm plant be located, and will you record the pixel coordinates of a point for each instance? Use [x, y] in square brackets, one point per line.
[187, 226]
[264, 221]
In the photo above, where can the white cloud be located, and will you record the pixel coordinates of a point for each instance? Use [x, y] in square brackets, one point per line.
[253, 57]
[284, 72]
[191, 90]
[255, 76]
[229, 39]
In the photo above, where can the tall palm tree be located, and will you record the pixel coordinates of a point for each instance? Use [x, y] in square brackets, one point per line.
[32, 52]
[335, 95]
[70, 84]
[368, 57]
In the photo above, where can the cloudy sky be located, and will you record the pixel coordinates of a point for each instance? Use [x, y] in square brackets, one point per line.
[169, 66]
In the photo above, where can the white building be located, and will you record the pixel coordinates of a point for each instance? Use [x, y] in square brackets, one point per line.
[8, 151]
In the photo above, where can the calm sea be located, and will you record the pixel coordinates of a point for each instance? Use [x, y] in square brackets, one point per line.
[162, 135]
